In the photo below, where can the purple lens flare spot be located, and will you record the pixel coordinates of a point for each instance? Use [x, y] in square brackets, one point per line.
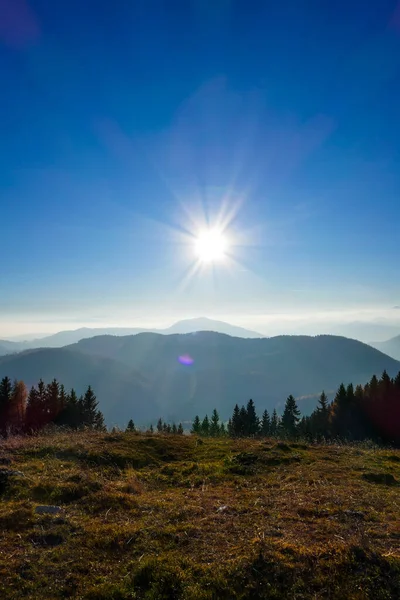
[185, 359]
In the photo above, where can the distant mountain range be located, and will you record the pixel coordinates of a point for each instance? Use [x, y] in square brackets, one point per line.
[390, 347]
[149, 375]
[64, 338]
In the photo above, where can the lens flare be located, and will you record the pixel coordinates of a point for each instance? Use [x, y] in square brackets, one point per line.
[185, 359]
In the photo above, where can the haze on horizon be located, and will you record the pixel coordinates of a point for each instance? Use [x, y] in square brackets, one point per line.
[161, 161]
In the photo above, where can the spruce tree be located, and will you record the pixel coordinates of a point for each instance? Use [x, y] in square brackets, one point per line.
[151, 430]
[91, 416]
[196, 425]
[252, 421]
[274, 423]
[169, 429]
[174, 429]
[205, 426]
[265, 424]
[5, 399]
[17, 407]
[130, 427]
[290, 417]
[235, 422]
[214, 424]
[243, 429]
[222, 429]
[159, 425]
[180, 429]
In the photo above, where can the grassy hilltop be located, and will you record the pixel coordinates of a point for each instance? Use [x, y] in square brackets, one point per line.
[177, 517]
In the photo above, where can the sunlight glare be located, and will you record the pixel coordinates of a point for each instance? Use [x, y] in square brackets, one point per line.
[211, 246]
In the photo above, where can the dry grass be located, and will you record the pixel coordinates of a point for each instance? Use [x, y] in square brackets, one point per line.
[171, 517]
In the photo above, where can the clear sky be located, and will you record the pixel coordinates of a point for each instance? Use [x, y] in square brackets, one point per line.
[127, 126]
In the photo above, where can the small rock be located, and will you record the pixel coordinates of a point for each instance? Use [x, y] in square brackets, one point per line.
[222, 508]
[47, 510]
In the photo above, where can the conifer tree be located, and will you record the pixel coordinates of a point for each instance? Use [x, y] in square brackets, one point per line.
[91, 416]
[252, 424]
[180, 429]
[196, 425]
[174, 429]
[5, 399]
[222, 429]
[290, 417]
[169, 430]
[130, 427]
[243, 429]
[265, 424]
[214, 424]
[235, 422]
[52, 401]
[17, 407]
[151, 429]
[159, 425]
[274, 423]
[205, 426]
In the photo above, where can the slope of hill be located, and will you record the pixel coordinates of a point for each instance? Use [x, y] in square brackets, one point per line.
[390, 347]
[141, 376]
[121, 391]
[165, 517]
[65, 338]
[205, 324]
[7, 347]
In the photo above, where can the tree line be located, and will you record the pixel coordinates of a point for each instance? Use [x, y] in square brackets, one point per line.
[28, 412]
[355, 414]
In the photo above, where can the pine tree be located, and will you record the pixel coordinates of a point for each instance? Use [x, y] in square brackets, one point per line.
[52, 402]
[318, 424]
[91, 416]
[205, 426]
[222, 430]
[235, 422]
[5, 399]
[72, 415]
[265, 424]
[274, 423]
[252, 421]
[180, 429]
[169, 428]
[151, 429]
[165, 428]
[214, 424]
[131, 426]
[243, 430]
[340, 411]
[159, 425]
[196, 425]
[32, 422]
[174, 429]
[17, 407]
[290, 417]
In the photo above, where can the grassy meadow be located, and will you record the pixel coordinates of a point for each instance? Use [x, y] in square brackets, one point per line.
[154, 516]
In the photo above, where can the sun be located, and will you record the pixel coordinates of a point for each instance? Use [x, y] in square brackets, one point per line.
[211, 245]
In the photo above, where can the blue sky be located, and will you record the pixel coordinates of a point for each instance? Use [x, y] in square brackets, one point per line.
[127, 126]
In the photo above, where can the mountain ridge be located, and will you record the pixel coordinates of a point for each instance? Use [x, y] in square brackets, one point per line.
[142, 377]
[70, 336]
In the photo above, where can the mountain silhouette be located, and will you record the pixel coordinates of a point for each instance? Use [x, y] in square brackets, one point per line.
[142, 376]
[65, 338]
[390, 347]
